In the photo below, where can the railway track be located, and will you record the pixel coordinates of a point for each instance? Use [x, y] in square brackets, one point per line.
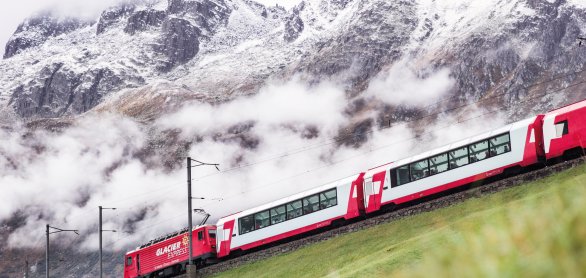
[385, 217]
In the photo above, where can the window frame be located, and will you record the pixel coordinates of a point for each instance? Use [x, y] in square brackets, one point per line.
[447, 162]
[240, 230]
[472, 155]
[565, 129]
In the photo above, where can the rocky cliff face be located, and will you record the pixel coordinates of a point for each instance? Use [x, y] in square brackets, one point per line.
[493, 50]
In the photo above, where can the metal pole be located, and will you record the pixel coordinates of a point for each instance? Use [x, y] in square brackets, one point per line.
[189, 219]
[26, 275]
[100, 227]
[47, 254]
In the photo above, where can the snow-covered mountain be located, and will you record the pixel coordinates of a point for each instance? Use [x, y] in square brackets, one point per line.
[380, 62]
[218, 49]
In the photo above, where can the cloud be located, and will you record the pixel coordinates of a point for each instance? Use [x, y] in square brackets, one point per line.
[270, 145]
[403, 83]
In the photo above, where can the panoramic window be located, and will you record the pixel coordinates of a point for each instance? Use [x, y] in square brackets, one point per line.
[500, 144]
[294, 209]
[438, 164]
[419, 170]
[458, 157]
[328, 199]
[402, 175]
[478, 151]
[278, 214]
[261, 219]
[246, 224]
[561, 129]
[310, 204]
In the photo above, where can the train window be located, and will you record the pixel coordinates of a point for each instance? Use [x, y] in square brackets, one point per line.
[402, 174]
[500, 144]
[561, 129]
[438, 164]
[261, 219]
[246, 224]
[458, 157]
[200, 235]
[294, 209]
[212, 233]
[328, 199]
[419, 170]
[310, 204]
[129, 261]
[478, 151]
[278, 214]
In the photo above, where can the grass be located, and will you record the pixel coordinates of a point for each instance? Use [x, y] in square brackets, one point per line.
[534, 230]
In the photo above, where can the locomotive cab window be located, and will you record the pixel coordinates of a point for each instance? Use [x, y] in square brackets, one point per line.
[129, 261]
[200, 235]
[212, 233]
[561, 128]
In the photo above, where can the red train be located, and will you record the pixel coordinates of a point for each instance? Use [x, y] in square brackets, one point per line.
[507, 150]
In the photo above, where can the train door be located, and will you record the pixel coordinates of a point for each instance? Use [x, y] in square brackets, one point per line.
[369, 204]
[129, 267]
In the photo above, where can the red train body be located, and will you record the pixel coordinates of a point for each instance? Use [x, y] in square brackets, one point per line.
[169, 256]
[545, 137]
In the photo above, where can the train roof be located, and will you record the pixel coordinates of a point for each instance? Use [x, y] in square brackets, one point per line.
[289, 198]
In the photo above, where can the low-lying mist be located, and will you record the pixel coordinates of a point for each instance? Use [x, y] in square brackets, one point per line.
[285, 139]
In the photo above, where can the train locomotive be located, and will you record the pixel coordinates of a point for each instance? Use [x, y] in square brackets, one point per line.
[507, 150]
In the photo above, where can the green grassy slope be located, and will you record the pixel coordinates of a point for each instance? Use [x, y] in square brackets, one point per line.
[533, 230]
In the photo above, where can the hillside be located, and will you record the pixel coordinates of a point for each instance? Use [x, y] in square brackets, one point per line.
[533, 230]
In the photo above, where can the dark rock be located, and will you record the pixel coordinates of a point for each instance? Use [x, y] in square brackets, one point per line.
[179, 42]
[61, 91]
[36, 30]
[207, 15]
[141, 20]
[375, 38]
[112, 16]
[293, 24]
